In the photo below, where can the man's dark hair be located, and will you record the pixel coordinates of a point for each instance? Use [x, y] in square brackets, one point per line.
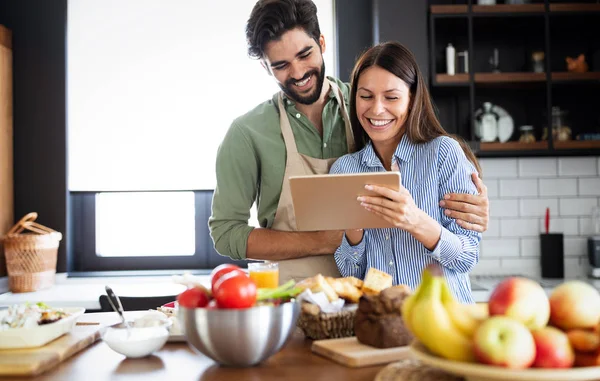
[270, 19]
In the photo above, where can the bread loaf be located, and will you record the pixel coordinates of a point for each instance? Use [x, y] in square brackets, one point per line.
[378, 321]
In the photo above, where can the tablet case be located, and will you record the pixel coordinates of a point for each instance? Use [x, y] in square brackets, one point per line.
[328, 202]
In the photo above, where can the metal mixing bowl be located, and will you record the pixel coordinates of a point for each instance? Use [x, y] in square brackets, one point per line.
[239, 337]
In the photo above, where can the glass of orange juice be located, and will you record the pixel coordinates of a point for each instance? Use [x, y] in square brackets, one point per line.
[265, 274]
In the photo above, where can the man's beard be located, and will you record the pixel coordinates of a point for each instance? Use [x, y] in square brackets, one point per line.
[290, 91]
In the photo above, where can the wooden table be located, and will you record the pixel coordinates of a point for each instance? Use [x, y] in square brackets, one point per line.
[176, 361]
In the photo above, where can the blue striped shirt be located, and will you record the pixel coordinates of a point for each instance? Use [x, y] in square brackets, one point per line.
[428, 171]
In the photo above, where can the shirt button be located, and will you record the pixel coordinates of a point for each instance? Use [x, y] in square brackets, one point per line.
[298, 115]
[391, 263]
[324, 145]
[387, 236]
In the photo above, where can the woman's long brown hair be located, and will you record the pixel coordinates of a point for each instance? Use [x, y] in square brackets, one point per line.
[422, 125]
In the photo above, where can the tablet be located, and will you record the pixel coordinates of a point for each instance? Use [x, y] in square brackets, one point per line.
[328, 202]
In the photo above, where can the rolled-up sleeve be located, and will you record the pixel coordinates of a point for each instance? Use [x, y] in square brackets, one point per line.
[458, 248]
[237, 168]
[352, 260]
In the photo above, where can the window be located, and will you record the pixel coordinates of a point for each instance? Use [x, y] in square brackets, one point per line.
[152, 87]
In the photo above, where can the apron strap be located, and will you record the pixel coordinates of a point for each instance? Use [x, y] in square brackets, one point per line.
[286, 128]
[340, 98]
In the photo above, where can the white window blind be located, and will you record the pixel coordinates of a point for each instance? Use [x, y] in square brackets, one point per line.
[153, 86]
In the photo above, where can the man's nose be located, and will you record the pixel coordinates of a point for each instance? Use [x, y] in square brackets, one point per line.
[297, 71]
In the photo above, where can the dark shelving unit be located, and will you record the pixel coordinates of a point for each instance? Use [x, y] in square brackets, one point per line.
[559, 30]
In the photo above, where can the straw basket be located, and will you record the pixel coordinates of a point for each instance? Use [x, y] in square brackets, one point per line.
[318, 325]
[31, 255]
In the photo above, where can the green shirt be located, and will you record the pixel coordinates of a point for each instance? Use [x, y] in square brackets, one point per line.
[251, 164]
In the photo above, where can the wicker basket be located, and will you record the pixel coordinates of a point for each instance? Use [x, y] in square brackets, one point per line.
[318, 325]
[31, 256]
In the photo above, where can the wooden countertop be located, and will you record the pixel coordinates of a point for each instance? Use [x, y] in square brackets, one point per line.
[176, 361]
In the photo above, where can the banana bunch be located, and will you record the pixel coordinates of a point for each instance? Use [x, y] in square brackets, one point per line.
[444, 325]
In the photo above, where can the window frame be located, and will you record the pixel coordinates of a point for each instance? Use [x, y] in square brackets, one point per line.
[85, 259]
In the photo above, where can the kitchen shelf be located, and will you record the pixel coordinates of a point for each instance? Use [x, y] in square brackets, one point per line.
[513, 146]
[509, 8]
[565, 76]
[449, 9]
[575, 7]
[577, 144]
[509, 77]
[463, 79]
[512, 9]
[457, 79]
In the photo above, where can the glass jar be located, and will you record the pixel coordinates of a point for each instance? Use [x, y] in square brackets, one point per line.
[560, 128]
[526, 134]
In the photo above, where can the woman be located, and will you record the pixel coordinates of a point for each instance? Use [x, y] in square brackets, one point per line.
[395, 128]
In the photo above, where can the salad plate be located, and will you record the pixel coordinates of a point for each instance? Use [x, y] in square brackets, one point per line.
[30, 326]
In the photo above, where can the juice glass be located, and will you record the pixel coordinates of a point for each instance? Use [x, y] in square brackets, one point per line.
[265, 274]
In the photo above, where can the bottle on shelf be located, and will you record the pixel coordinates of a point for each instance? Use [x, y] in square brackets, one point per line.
[450, 60]
[488, 124]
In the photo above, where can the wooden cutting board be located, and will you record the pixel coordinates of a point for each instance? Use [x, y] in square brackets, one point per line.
[349, 352]
[33, 361]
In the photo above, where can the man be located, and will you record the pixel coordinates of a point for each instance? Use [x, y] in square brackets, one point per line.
[302, 130]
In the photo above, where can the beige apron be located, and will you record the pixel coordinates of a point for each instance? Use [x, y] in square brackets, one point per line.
[298, 164]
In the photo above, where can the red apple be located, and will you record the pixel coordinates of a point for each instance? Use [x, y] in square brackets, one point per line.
[521, 299]
[504, 341]
[552, 349]
[574, 304]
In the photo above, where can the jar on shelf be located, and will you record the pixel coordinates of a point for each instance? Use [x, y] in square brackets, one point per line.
[560, 128]
[526, 134]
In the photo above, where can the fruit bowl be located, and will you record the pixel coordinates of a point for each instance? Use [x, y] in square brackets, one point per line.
[481, 372]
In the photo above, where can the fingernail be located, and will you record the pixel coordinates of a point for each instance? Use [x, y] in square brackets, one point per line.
[447, 197]
[442, 203]
[359, 198]
[363, 204]
[368, 187]
[447, 212]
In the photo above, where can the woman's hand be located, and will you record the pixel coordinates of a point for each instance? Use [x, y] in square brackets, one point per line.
[400, 210]
[470, 211]
[396, 207]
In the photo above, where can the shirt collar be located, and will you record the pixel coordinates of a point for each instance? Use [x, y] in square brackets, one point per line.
[404, 151]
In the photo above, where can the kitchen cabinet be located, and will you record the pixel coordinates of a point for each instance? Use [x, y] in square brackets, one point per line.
[516, 59]
[6, 138]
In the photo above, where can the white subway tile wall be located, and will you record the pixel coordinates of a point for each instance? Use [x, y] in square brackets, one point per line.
[520, 190]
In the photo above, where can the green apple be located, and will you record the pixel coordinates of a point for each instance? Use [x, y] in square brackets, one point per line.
[505, 342]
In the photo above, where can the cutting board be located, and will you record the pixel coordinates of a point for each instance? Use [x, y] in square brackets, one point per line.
[33, 361]
[349, 352]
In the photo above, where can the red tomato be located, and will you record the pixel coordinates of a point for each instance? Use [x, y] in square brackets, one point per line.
[193, 298]
[221, 270]
[235, 291]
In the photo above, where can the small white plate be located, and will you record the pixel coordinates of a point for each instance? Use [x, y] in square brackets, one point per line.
[40, 335]
[481, 372]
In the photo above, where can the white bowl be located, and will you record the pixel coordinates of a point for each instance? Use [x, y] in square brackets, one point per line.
[136, 342]
[481, 372]
[40, 335]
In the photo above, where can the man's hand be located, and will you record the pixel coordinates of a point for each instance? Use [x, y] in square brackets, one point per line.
[470, 212]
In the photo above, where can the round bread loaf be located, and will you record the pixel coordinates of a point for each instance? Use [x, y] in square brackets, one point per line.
[378, 321]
